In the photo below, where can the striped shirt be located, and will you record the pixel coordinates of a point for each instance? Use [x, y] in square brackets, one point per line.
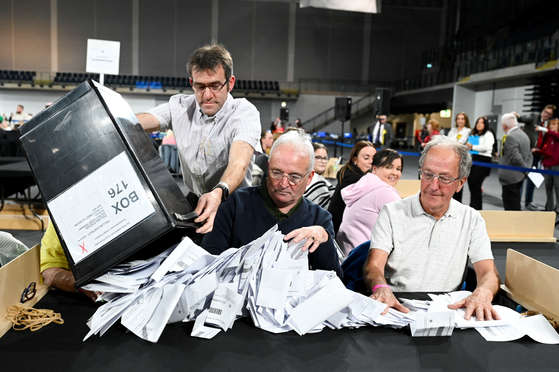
[204, 142]
[319, 191]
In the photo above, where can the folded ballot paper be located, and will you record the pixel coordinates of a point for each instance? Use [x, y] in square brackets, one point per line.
[433, 318]
[268, 280]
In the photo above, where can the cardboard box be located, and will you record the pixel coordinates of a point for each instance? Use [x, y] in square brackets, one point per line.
[532, 284]
[14, 278]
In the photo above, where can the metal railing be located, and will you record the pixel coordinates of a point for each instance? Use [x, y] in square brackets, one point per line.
[327, 117]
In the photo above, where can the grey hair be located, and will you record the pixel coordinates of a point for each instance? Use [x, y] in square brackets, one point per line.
[461, 150]
[509, 120]
[300, 141]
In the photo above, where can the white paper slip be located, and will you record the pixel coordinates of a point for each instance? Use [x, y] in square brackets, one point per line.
[273, 288]
[200, 330]
[538, 328]
[223, 307]
[507, 317]
[433, 324]
[322, 305]
[499, 334]
[536, 178]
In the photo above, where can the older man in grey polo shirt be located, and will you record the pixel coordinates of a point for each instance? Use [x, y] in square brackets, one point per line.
[422, 243]
[217, 136]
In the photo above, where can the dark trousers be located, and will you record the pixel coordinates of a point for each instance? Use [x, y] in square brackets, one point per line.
[552, 190]
[530, 187]
[511, 196]
[475, 181]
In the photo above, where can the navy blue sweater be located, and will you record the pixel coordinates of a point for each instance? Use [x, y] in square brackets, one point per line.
[244, 218]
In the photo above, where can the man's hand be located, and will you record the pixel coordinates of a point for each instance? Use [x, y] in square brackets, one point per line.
[208, 203]
[480, 303]
[60, 278]
[385, 295]
[315, 235]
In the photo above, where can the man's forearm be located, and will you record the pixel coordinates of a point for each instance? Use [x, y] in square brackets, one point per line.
[239, 159]
[148, 122]
[59, 278]
[490, 281]
[373, 276]
[234, 174]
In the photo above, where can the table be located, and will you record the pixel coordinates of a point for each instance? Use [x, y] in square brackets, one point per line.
[247, 348]
[17, 177]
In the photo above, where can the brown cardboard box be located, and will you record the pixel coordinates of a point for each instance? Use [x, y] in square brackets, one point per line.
[14, 278]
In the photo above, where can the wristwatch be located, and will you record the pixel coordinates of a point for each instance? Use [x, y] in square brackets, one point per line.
[225, 190]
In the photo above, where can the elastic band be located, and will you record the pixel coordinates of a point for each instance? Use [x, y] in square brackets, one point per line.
[378, 286]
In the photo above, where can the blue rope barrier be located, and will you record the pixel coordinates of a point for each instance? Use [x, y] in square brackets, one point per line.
[478, 163]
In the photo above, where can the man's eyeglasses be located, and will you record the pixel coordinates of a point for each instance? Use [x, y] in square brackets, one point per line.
[200, 88]
[29, 292]
[293, 179]
[446, 180]
[321, 158]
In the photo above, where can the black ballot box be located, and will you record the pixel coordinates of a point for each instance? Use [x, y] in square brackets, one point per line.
[104, 184]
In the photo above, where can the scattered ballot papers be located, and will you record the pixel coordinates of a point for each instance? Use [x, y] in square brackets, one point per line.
[267, 279]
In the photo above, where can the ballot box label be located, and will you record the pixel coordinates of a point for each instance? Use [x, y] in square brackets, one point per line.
[101, 207]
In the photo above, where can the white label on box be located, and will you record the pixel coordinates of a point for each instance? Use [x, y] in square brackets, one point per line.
[101, 207]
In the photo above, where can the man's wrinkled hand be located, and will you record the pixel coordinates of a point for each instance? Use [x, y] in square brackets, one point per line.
[385, 295]
[315, 235]
[478, 304]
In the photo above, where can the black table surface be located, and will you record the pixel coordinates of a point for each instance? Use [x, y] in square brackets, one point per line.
[244, 347]
[16, 169]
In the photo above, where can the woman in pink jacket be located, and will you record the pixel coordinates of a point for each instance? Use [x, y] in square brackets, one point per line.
[365, 199]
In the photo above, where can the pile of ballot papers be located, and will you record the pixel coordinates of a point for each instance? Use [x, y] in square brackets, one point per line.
[268, 280]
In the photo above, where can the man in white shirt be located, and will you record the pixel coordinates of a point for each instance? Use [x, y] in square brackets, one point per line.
[422, 243]
[20, 117]
[217, 135]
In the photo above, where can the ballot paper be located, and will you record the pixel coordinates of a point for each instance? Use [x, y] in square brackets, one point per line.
[431, 324]
[536, 178]
[441, 302]
[537, 327]
[267, 279]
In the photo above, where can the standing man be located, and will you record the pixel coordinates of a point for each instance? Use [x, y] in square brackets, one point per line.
[217, 135]
[515, 151]
[422, 243]
[531, 122]
[19, 118]
[382, 134]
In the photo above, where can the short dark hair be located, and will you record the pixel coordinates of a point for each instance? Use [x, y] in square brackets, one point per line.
[210, 57]
[384, 158]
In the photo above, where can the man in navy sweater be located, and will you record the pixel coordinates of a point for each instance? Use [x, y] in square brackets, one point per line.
[250, 212]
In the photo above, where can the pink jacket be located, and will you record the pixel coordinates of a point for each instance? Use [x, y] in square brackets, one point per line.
[364, 201]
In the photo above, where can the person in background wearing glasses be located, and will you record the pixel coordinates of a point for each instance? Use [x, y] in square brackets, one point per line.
[217, 135]
[422, 243]
[320, 191]
[250, 212]
[532, 122]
